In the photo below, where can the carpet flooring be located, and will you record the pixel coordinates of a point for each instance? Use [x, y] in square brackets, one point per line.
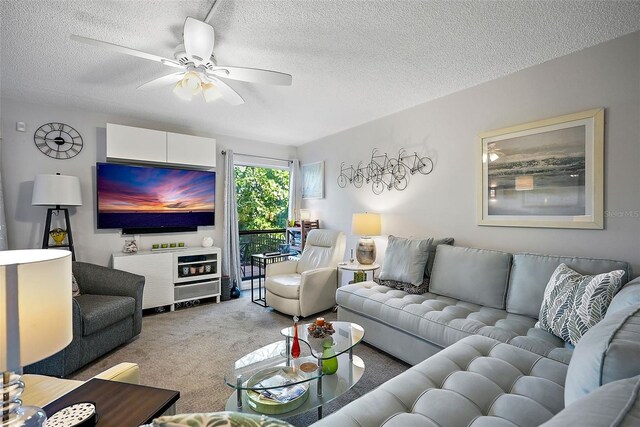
[191, 349]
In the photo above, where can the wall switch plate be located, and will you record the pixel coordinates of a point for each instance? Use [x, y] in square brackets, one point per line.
[21, 126]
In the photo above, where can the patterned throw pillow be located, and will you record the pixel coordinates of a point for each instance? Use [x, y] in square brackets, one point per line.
[423, 288]
[75, 290]
[573, 303]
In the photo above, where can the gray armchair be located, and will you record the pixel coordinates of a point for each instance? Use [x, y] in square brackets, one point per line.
[106, 314]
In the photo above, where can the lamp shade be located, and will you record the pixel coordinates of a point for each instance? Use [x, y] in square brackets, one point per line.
[365, 224]
[56, 190]
[305, 214]
[35, 305]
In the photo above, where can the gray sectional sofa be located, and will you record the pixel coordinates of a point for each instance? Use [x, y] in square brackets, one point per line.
[486, 364]
[106, 314]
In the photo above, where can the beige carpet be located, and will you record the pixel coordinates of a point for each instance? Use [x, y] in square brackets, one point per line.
[190, 349]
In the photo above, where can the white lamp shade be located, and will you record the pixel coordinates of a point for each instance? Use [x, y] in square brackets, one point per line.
[56, 190]
[44, 305]
[365, 224]
[305, 214]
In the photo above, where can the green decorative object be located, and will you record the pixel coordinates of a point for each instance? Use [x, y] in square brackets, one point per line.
[181, 245]
[164, 245]
[58, 235]
[329, 363]
[359, 276]
[155, 246]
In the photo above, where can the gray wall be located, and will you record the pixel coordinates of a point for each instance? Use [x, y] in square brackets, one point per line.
[21, 161]
[444, 203]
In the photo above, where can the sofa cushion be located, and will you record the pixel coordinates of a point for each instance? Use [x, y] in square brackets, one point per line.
[101, 311]
[444, 321]
[432, 252]
[284, 285]
[475, 382]
[614, 404]
[405, 260]
[479, 276]
[530, 274]
[574, 303]
[628, 296]
[606, 353]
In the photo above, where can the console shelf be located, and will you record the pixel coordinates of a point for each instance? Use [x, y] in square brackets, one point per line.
[173, 277]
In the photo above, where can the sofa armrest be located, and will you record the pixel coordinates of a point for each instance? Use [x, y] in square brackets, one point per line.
[629, 295]
[284, 267]
[123, 372]
[98, 280]
[318, 289]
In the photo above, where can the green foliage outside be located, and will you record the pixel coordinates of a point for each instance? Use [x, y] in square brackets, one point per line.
[263, 197]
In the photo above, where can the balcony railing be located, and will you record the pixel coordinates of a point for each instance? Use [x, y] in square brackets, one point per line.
[257, 242]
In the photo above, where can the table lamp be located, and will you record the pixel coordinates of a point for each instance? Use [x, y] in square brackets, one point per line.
[366, 225]
[35, 322]
[57, 190]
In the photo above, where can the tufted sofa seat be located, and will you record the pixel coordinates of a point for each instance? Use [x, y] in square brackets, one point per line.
[446, 320]
[476, 382]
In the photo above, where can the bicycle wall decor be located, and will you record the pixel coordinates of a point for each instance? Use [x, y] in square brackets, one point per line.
[384, 172]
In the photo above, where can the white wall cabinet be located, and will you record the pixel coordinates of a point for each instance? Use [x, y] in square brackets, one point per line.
[174, 276]
[131, 143]
[154, 146]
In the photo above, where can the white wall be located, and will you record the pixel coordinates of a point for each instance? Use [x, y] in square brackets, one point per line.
[444, 202]
[21, 161]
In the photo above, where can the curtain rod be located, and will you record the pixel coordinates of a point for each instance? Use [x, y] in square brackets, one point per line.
[259, 157]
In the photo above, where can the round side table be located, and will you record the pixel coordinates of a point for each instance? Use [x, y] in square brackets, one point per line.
[359, 270]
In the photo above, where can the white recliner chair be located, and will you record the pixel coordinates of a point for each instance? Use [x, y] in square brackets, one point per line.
[307, 286]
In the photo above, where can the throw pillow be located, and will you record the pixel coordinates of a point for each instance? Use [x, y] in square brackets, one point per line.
[573, 303]
[405, 260]
[432, 252]
[423, 288]
[75, 290]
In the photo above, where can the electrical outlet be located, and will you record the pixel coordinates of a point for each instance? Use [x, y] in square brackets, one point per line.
[21, 127]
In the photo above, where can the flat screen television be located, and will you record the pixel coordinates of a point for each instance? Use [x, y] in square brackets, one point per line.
[141, 199]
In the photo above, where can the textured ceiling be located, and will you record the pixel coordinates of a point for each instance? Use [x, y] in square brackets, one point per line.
[351, 61]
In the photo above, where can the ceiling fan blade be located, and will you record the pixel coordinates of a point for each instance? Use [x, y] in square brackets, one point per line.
[198, 40]
[227, 92]
[162, 81]
[125, 50]
[253, 75]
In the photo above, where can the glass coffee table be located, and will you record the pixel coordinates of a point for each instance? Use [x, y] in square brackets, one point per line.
[247, 372]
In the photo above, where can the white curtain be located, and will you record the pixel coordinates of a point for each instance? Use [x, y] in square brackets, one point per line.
[4, 244]
[295, 190]
[231, 244]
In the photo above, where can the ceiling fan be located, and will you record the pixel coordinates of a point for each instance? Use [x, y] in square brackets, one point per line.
[199, 72]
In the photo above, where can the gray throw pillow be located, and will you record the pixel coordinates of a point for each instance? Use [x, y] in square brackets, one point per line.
[432, 252]
[608, 352]
[573, 303]
[405, 260]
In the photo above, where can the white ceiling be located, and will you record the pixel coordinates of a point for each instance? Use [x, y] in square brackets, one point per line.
[351, 61]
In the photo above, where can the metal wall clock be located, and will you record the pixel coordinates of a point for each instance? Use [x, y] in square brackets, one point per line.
[58, 140]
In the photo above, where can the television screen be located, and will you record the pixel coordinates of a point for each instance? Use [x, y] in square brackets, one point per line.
[153, 198]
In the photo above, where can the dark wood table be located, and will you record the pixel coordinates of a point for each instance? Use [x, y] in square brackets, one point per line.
[118, 404]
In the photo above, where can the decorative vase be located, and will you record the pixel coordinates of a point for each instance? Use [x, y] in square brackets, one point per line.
[235, 290]
[295, 348]
[58, 235]
[329, 359]
[130, 247]
[207, 242]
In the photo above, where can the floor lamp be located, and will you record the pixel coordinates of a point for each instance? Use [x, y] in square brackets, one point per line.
[57, 190]
[35, 322]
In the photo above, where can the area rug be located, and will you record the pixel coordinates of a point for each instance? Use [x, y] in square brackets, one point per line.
[190, 350]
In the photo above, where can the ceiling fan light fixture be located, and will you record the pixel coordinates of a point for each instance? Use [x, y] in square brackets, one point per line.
[210, 92]
[192, 81]
[182, 92]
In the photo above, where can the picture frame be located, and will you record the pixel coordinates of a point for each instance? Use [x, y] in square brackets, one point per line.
[548, 173]
[313, 180]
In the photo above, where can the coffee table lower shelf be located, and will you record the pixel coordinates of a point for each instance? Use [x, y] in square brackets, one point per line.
[333, 386]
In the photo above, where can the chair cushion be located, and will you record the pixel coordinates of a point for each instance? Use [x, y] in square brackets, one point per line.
[614, 404]
[475, 382]
[607, 352]
[323, 248]
[573, 303]
[479, 276]
[284, 285]
[444, 321]
[530, 274]
[101, 311]
[405, 260]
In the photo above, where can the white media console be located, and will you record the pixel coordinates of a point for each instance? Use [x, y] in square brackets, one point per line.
[174, 276]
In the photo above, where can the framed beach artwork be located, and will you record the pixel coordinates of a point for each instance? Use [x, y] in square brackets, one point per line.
[313, 180]
[547, 173]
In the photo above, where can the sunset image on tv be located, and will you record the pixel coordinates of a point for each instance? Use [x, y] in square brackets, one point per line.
[151, 197]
